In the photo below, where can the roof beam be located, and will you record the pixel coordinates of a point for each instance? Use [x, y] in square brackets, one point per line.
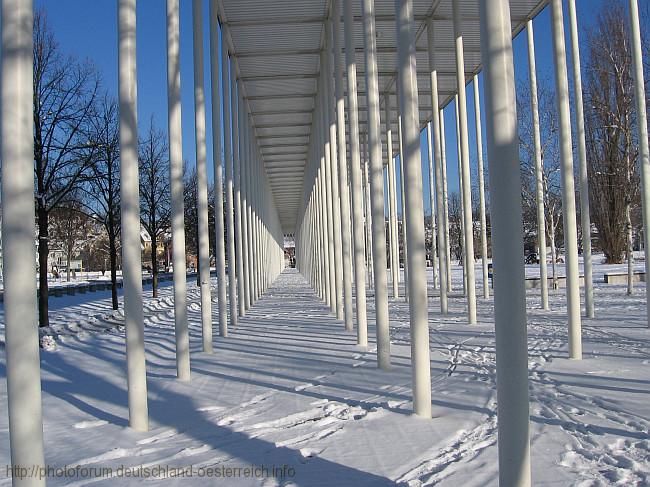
[282, 125]
[291, 76]
[298, 111]
[285, 96]
[263, 53]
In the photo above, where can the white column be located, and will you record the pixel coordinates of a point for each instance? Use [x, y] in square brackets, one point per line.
[539, 169]
[237, 148]
[177, 193]
[228, 161]
[403, 194]
[250, 212]
[324, 218]
[507, 244]
[243, 193]
[324, 227]
[568, 189]
[330, 106]
[355, 176]
[462, 195]
[445, 196]
[376, 185]
[443, 245]
[18, 230]
[585, 218]
[481, 187]
[368, 213]
[344, 194]
[392, 201]
[432, 202]
[130, 216]
[327, 190]
[202, 177]
[417, 270]
[220, 257]
[464, 152]
[642, 124]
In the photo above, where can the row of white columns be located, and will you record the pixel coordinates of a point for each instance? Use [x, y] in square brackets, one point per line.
[254, 233]
[255, 237]
[510, 304]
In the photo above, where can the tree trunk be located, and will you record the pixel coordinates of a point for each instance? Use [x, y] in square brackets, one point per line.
[198, 265]
[112, 250]
[630, 257]
[69, 257]
[43, 253]
[553, 250]
[154, 264]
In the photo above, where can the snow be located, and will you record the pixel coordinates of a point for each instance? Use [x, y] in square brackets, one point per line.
[289, 388]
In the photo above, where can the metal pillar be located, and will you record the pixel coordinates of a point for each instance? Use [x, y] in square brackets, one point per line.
[344, 195]
[327, 190]
[403, 194]
[355, 176]
[508, 245]
[236, 161]
[376, 183]
[642, 124]
[250, 213]
[462, 194]
[18, 230]
[445, 196]
[568, 191]
[330, 109]
[368, 213]
[244, 144]
[481, 187]
[432, 202]
[130, 216]
[417, 283]
[539, 167]
[392, 201]
[177, 190]
[228, 189]
[467, 181]
[443, 244]
[220, 258]
[202, 177]
[585, 218]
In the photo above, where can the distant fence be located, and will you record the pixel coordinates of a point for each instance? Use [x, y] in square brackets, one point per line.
[94, 285]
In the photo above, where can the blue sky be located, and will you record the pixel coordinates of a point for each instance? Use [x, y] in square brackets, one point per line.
[88, 30]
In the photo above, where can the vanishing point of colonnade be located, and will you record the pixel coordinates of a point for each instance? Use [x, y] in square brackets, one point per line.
[335, 249]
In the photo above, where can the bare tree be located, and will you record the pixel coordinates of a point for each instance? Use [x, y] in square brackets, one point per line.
[455, 222]
[610, 131]
[155, 199]
[69, 226]
[103, 186]
[64, 93]
[550, 165]
[191, 211]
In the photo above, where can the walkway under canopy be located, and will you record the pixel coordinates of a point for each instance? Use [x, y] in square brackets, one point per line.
[311, 102]
[276, 47]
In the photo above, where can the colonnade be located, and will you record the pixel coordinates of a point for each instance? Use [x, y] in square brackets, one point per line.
[505, 200]
[335, 243]
[250, 251]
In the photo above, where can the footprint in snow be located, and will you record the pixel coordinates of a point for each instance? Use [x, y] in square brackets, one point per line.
[160, 436]
[207, 409]
[90, 424]
[308, 453]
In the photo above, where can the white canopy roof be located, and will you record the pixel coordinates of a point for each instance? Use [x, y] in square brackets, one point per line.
[277, 45]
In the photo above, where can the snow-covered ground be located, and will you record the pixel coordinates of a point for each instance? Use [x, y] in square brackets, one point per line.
[289, 389]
